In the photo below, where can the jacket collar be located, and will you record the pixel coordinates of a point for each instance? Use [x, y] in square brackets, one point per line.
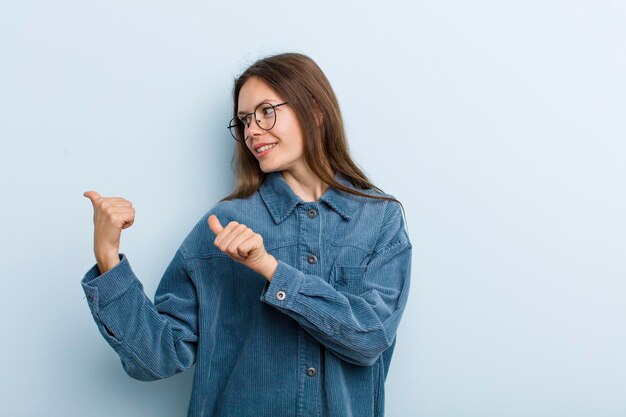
[281, 200]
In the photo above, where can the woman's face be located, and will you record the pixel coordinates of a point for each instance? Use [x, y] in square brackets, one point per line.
[285, 136]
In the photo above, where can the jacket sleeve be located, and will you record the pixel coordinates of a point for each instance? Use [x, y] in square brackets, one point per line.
[154, 340]
[360, 325]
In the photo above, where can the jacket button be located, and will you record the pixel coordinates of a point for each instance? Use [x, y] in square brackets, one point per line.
[310, 371]
[90, 297]
[312, 213]
[311, 259]
[280, 295]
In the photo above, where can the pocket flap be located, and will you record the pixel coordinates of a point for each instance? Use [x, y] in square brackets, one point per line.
[345, 274]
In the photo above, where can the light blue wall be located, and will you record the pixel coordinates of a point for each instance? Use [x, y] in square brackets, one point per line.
[499, 124]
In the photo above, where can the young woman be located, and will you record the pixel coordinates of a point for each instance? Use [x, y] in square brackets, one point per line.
[288, 293]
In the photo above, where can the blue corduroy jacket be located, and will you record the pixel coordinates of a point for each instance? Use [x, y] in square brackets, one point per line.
[316, 340]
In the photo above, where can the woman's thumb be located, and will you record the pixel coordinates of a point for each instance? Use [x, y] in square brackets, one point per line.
[215, 224]
[92, 195]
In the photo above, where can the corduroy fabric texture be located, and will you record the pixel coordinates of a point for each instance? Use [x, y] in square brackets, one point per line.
[315, 341]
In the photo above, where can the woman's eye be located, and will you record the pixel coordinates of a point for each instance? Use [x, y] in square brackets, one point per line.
[268, 111]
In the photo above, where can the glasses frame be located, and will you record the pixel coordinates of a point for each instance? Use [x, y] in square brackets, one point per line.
[236, 121]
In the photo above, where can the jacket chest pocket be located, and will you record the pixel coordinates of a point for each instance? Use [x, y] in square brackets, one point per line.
[349, 278]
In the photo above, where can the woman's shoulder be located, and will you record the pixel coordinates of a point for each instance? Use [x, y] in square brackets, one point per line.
[373, 190]
[199, 241]
[385, 214]
[374, 200]
[236, 206]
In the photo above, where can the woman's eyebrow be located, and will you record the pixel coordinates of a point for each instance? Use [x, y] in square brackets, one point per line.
[242, 113]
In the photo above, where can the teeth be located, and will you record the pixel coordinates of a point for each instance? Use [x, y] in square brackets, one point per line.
[264, 148]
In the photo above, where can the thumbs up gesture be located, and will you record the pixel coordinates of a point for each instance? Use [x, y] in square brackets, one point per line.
[243, 245]
[110, 216]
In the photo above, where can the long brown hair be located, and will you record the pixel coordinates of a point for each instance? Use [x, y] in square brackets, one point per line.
[299, 80]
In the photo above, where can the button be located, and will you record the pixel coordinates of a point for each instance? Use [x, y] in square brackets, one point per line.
[311, 372]
[90, 297]
[311, 259]
[280, 295]
[312, 213]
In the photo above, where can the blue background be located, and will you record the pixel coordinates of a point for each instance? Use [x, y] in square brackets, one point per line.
[499, 125]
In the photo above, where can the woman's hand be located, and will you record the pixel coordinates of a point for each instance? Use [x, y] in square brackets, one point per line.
[242, 244]
[110, 216]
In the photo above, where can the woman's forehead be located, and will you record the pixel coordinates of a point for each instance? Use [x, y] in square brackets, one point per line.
[253, 92]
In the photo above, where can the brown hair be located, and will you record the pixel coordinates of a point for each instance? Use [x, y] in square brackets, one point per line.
[300, 81]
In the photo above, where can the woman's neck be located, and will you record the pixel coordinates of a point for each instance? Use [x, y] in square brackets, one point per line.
[305, 185]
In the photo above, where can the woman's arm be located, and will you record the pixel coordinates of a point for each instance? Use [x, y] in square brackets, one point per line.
[154, 340]
[356, 325]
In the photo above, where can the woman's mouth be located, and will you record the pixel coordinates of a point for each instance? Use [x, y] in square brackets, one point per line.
[264, 150]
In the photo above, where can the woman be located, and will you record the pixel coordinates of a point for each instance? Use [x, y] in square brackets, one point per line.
[288, 293]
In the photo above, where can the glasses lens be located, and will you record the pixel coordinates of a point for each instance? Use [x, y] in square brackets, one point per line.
[236, 129]
[265, 116]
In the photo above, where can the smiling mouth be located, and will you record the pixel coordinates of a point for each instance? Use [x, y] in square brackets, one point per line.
[264, 148]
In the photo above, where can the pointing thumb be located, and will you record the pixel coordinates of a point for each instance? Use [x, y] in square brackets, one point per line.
[92, 195]
[215, 224]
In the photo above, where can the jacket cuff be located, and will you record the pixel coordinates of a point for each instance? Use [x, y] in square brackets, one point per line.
[101, 289]
[284, 287]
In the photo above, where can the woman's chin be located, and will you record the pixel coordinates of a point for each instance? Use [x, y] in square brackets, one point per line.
[266, 168]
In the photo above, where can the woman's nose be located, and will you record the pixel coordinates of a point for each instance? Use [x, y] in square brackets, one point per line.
[254, 129]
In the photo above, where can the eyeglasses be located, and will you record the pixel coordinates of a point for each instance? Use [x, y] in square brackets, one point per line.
[264, 115]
